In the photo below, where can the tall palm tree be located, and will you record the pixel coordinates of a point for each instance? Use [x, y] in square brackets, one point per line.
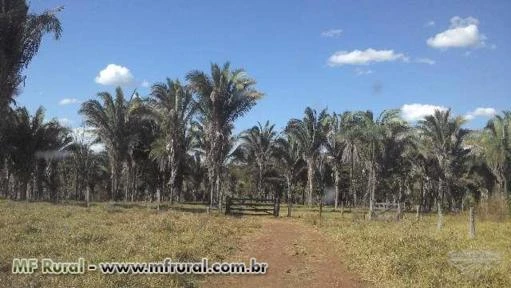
[257, 146]
[173, 108]
[443, 136]
[373, 131]
[290, 162]
[310, 132]
[21, 33]
[115, 123]
[350, 136]
[335, 151]
[223, 97]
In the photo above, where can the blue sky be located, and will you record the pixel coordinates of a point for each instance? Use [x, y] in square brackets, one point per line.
[344, 55]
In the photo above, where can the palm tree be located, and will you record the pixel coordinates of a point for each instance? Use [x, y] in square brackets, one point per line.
[373, 131]
[335, 151]
[257, 146]
[173, 108]
[310, 132]
[21, 33]
[290, 162]
[32, 142]
[114, 122]
[443, 136]
[493, 144]
[223, 97]
[350, 136]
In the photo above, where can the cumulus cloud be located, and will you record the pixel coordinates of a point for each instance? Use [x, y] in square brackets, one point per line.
[364, 57]
[115, 75]
[414, 112]
[332, 33]
[425, 61]
[463, 32]
[481, 112]
[67, 101]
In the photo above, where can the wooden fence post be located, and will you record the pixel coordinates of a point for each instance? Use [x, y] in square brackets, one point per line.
[228, 203]
[471, 224]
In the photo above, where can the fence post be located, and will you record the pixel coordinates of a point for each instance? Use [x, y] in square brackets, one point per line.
[276, 210]
[228, 205]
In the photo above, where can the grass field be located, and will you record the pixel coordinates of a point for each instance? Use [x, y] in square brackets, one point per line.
[408, 253]
[413, 253]
[106, 233]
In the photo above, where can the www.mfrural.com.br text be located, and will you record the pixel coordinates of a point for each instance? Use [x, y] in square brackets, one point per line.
[167, 266]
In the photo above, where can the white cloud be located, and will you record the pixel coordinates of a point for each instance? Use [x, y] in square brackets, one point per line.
[425, 61]
[414, 112]
[368, 56]
[360, 71]
[115, 75]
[430, 23]
[463, 32]
[481, 112]
[332, 33]
[67, 101]
[145, 84]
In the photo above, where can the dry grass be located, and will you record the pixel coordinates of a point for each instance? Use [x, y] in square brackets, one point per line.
[106, 233]
[413, 253]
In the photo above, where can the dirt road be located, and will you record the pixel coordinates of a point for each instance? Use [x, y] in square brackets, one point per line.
[297, 255]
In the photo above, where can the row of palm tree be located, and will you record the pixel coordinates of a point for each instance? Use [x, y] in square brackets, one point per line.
[177, 143]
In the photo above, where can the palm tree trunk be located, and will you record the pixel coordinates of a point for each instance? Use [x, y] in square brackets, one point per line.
[87, 195]
[399, 208]
[439, 205]
[371, 186]
[211, 176]
[114, 181]
[126, 188]
[288, 196]
[260, 181]
[352, 181]
[310, 180]
[219, 190]
[337, 180]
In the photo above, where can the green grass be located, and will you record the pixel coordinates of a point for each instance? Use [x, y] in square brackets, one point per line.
[108, 233]
[413, 253]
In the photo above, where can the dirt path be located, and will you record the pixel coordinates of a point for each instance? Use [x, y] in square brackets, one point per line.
[297, 255]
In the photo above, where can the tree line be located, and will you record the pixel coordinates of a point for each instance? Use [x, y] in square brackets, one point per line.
[177, 144]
